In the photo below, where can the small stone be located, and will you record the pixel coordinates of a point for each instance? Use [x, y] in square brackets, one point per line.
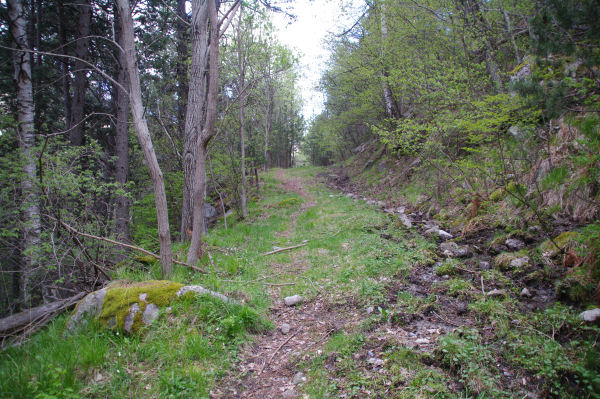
[525, 292]
[298, 378]
[98, 377]
[292, 300]
[444, 235]
[285, 328]
[514, 244]
[130, 316]
[143, 297]
[150, 314]
[375, 361]
[405, 220]
[461, 308]
[483, 265]
[590, 315]
[370, 309]
[519, 262]
[495, 293]
[462, 252]
[421, 341]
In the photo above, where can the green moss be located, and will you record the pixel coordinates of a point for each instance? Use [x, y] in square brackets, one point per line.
[575, 286]
[563, 240]
[497, 195]
[287, 202]
[449, 267]
[121, 296]
[146, 259]
[503, 260]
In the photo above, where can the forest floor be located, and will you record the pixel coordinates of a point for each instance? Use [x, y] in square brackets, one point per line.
[386, 311]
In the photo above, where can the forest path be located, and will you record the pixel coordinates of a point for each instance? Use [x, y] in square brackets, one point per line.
[380, 302]
[268, 368]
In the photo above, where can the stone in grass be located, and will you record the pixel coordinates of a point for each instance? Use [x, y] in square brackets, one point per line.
[590, 316]
[496, 293]
[514, 244]
[525, 292]
[299, 378]
[292, 300]
[285, 328]
[130, 306]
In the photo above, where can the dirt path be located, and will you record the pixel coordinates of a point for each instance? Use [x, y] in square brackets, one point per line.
[268, 368]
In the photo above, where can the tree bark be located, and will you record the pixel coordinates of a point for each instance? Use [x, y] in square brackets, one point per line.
[121, 143]
[80, 83]
[21, 320]
[242, 100]
[141, 127]
[391, 107]
[207, 133]
[26, 136]
[181, 69]
[269, 121]
[64, 63]
[195, 111]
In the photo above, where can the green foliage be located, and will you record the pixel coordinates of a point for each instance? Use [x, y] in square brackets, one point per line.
[464, 354]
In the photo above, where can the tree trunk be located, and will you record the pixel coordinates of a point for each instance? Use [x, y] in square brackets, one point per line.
[141, 127]
[242, 100]
[269, 121]
[391, 107]
[181, 67]
[122, 144]
[64, 63]
[80, 83]
[207, 133]
[195, 111]
[22, 320]
[26, 136]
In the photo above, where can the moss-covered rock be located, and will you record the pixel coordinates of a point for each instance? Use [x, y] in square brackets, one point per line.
[563, 240]
[125, 306]
[575, 286]
[512, 261]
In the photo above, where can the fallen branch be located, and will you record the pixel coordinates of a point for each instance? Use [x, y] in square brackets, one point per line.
[128, 246]
[20, 321]
[277, 350]
[285, 249]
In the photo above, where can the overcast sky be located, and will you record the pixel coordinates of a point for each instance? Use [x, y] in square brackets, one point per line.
[315, 19]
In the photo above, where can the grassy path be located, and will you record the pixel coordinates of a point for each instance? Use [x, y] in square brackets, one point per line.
[345, 274]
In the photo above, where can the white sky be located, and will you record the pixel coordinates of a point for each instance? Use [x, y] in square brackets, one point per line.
[315, 20]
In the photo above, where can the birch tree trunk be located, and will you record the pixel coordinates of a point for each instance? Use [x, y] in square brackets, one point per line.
[207, 133]
[80, 82]
[122, 143]
[242, 100]
[141, 127]
[391, 106]
[26, 136]
[195, 110]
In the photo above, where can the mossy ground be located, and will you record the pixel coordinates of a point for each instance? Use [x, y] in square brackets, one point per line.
[356, 258]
